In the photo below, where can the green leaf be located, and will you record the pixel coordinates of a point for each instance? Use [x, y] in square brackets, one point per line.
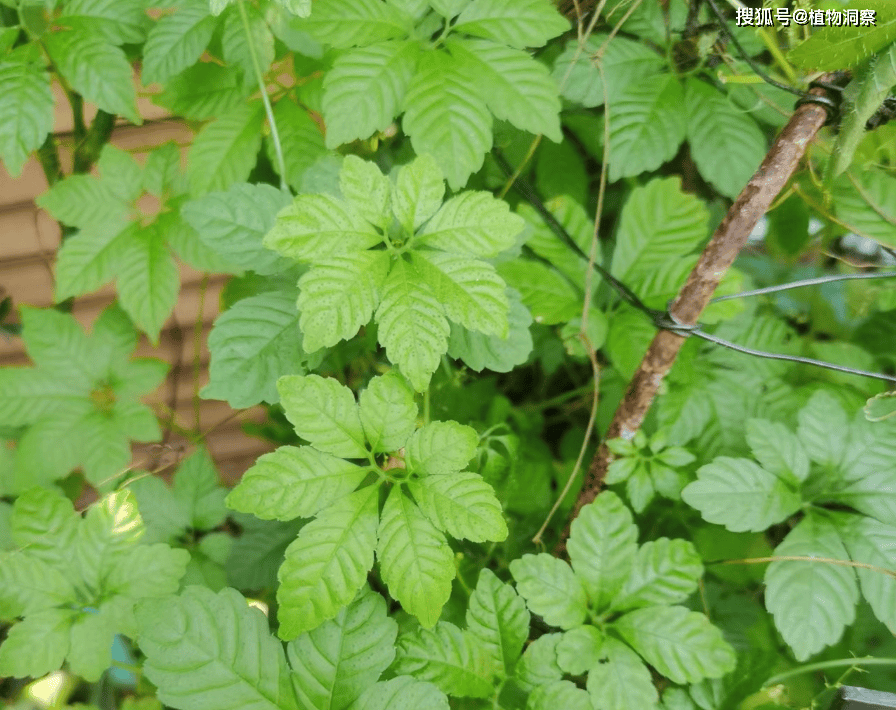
[411, 324]
[403, 693]
[740, 495]
[257, 553]
[364, 90]
[416, 562]
[447, 657]
[866, 203]
[147, 571]
[366, 189]
[323, 412]
[778, 450]
[242, 46]
[418, 192]
[206, 650]
[480, 351]
[659, 224]
[388, 412]
[37, 645]
[318, 226]
[30, 585]
[205, 90]
[87, 203]
[682, 645]
[538, 665]
[514, 86]
[225, 151]
[177, 41]
[873, 543]
[44, 523]
[338, 295]
[473, 224]
[602, 545]
[559, 694]
[233, 224]
[823, 429]
[551, 589]
[548, 295]
[578, 649]
[812, 602]
[148, 280]
[100, 72]
[337, 661]
[726, 144]
[498, 618]
[519, 23]
[449, 8]
[664, 572]
[441, 448]
[301, 141]
[461, 504]
[624, 63]
[252, 344]
[117, 21]
[328, 563]
[351, 23]
[26, 114]
[620, 680]
[647, 125]
[294, 482]
[833, 48]
[111, 527]
[445, 116]
[90, 638]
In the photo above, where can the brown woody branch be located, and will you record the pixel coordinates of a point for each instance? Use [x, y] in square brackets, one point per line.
[754, 200]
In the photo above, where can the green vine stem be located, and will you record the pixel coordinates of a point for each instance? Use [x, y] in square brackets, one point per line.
[824, 665]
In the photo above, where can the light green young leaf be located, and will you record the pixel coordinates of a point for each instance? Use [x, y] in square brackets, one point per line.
[778, 450]
[402, 693]
[647, 126]
[548, 295]
[301, 141]
[519, 23]
[338, 295]
[117, 21]
[328, 563]
[474, 224]
[100, 72]
[337, 661]
[294, 482]
[659, 224]
[514, 86]
[242, 49]
[726, 144]
[620, 680]
[449, 8]
[740, 495]
[498, 618]
[871, 542]
[602, 545]
[225, 150]
[29, 585]
[318, 226]
[364, 90]
[148, 280]
[441, 448]
[454, 661]
[26, 114]
[416, 562]
[352, 23]
[206, 650]
[146, 571]
[551, 589]
[252, 344]
[559, 694]
[445, 116]
[90, 639]
[823, 429]
[366, 189]
[87, 203]
[37, 645]
[480, 351]
[412, 326]
[461, 504]
[233, 224]
[538, 664]
[177, 40]
[44, 523]
[388, 412]
[299, 8]
[325, 413]
[664, 572]
[579, 648]
[418, 192]
[624, 63]
[812, 602]
[109, 528]
[682, 645]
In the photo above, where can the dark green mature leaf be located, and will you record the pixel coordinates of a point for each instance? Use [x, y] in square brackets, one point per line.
[177, 41]
[203, 91]
[519, 23]
[148, 279]
[225, 150]
[341, 658]
[867, 204]
[353, 23]
[207, 650]
[872, 543]
[365, 89]
[26, 113]
[301, 140]
[117, 21]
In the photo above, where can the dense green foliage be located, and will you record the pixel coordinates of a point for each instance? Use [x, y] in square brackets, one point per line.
[438, 361]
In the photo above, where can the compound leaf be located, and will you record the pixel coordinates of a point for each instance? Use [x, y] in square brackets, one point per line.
[388, 412]
[474, 224]
[620, 680]
[441, 448]
[664, 572]
[551, 589]
[461, 504]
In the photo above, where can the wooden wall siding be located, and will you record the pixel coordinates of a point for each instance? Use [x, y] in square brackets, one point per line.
[28, 241]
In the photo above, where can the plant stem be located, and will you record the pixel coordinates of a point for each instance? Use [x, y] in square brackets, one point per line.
[823, 665]
[265, 99]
